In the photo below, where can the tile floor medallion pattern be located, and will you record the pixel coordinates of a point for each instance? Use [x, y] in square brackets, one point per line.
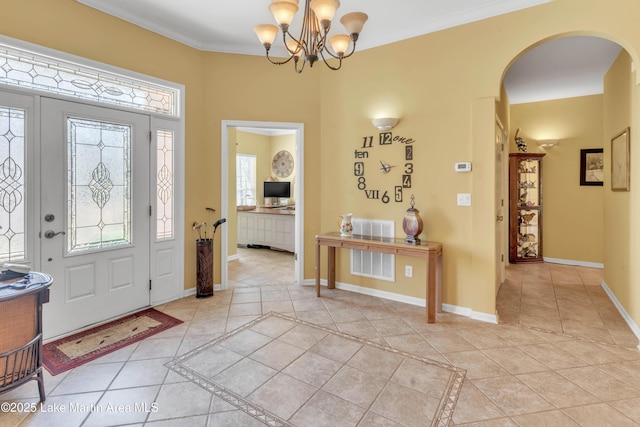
[282, 370]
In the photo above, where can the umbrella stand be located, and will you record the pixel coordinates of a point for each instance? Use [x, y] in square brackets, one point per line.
[204, 248]
[204, 254]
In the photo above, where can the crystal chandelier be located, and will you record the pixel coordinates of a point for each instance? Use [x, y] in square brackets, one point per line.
[311, 45]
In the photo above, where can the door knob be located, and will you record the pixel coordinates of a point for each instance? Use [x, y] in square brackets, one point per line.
[50, 234]
[499, 218]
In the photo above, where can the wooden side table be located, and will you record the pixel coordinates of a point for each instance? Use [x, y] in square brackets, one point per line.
[21, 302]
[431, 252]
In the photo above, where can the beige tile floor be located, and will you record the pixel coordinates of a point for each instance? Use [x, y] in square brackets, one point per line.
[561, 298]
[560, 357]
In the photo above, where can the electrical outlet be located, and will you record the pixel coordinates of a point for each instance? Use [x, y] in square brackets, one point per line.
[408, 271]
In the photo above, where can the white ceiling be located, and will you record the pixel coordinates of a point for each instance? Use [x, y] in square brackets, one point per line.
[560, 68]
[563, 68]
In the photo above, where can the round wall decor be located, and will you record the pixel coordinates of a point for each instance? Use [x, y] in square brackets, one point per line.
[282, 164]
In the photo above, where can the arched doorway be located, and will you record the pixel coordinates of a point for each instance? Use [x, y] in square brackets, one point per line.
[561, 105]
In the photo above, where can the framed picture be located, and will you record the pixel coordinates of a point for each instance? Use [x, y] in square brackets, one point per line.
[620, 161]
[591, 167]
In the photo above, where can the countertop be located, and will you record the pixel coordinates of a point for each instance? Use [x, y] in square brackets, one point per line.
[276, 210]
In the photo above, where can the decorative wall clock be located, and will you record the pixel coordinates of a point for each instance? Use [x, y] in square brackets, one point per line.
[378, 157]
[282, 164]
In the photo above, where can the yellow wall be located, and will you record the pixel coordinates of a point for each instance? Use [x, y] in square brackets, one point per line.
[443, 86]
[265, 147]
[286, 143]
[260, 145]
[240, 87]
[573, 223]
[621, 223]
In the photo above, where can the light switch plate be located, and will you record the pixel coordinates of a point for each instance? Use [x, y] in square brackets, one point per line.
[464, 199]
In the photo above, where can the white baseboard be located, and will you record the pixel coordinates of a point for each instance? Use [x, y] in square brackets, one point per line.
[449, 308]
[233, 257]
[632, 325]
[572, 262]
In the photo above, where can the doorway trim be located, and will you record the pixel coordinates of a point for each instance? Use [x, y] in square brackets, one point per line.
[298, 192]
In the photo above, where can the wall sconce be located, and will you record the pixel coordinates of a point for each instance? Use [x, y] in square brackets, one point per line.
[547, 143]
[384, 124]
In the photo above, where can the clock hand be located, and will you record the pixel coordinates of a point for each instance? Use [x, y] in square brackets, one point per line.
[385, 168]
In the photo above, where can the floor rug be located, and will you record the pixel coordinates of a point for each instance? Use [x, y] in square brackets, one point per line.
[284, 371]
[72, 351]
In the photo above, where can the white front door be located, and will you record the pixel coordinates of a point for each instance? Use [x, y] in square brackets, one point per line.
[94, 225]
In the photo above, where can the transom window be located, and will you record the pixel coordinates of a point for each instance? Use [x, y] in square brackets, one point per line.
[26, 69]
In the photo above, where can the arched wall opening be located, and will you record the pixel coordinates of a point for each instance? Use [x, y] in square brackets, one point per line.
[586, 225]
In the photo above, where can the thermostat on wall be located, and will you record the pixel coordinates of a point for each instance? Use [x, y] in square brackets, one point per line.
[463, 167]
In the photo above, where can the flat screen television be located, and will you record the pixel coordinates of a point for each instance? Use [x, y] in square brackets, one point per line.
[277, 189]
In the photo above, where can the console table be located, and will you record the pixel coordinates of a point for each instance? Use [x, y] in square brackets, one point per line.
[21, 302]
[431, 252]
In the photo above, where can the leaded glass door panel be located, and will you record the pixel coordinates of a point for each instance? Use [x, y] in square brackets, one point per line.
[17, 177]
[95, 221]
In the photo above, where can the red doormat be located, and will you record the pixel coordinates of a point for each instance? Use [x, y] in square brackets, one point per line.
[77, 349]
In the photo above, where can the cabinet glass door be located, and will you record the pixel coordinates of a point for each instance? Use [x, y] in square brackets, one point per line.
[528, 208]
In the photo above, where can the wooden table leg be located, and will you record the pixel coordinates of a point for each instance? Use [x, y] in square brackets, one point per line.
[431, 287]
[317, 268]
[331, 267]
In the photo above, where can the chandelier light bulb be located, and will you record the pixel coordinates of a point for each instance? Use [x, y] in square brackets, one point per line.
[266, 33]
[340, 43]
[354, 21]
[283, 12]
[324, 9]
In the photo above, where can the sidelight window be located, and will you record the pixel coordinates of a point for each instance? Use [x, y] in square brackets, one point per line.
[12, 184]
[164, 179]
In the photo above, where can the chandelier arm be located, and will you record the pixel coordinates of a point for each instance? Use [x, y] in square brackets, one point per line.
[322, 41]
[278, 62]
[295, 65]
[327, 63]
[353, 50]
[298, 43]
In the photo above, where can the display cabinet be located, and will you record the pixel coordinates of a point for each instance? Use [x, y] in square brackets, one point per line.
[525, 207]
